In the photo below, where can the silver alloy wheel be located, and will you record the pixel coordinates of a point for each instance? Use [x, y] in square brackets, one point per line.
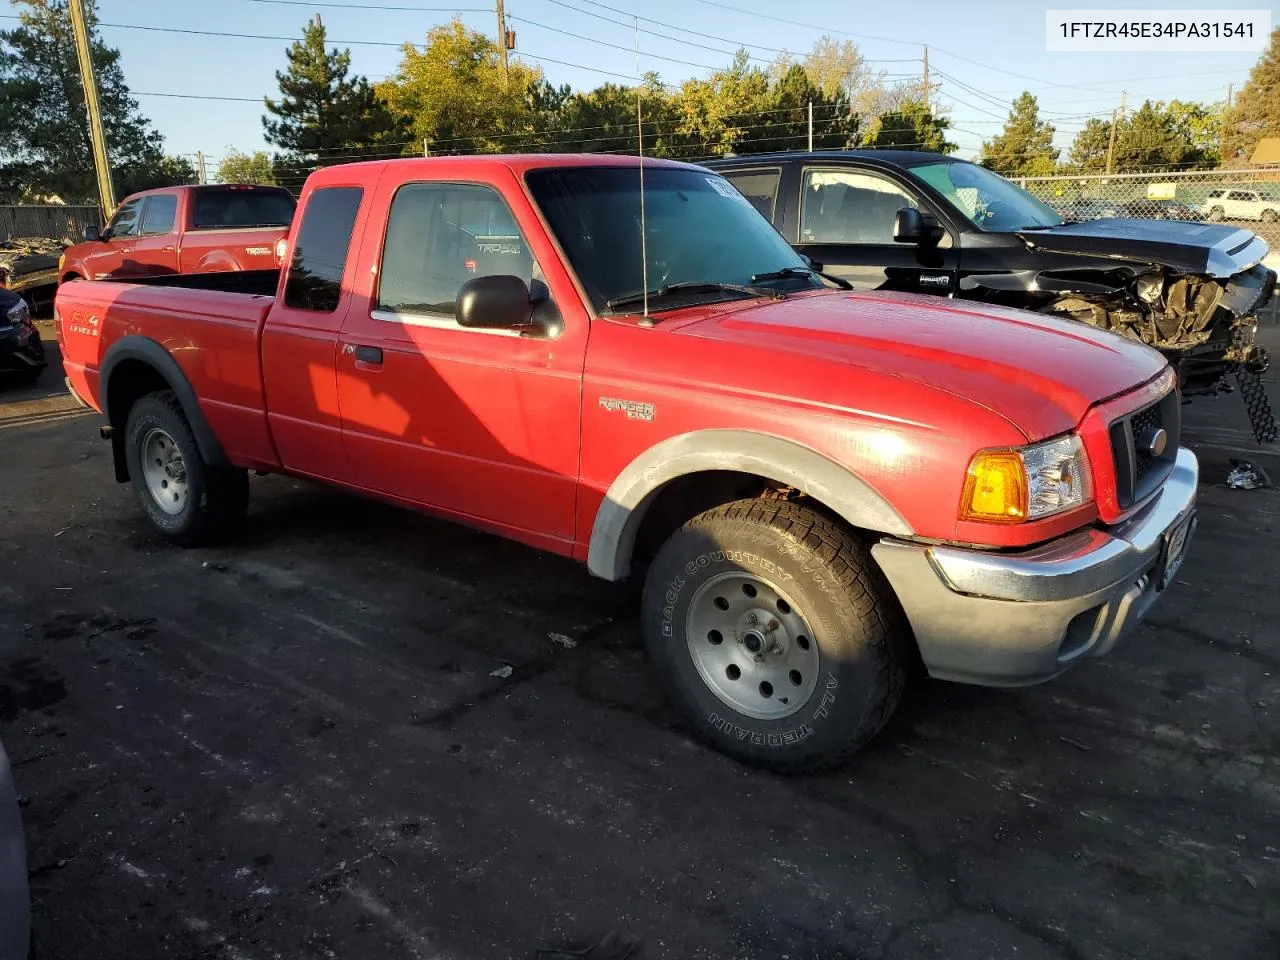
[165, 471]
[751, 646]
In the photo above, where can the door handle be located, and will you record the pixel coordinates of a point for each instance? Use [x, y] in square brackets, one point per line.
[169, 249]
[366, 354]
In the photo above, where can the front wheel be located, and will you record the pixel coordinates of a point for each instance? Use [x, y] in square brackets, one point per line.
[776, 634]
[1216, 214]
[1268, 216]
[188, 500]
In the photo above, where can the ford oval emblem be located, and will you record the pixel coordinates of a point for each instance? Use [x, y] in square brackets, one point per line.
[1154, 441]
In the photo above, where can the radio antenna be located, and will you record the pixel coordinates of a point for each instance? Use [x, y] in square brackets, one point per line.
[644, 239]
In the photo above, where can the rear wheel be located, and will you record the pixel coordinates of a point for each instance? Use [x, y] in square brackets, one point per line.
[1268, 216]
[1216, 214]
[188, 500]
[775, 633]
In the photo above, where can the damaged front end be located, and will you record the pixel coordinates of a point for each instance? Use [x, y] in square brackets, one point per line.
[1205, 325]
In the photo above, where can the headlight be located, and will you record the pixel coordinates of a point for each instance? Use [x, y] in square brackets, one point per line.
[19, 315]
[1013, 486]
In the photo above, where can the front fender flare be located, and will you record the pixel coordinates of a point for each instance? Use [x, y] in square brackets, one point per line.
[618, 519]
[154, 355]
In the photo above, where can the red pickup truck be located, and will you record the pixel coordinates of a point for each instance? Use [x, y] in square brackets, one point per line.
[194, 229]
[816, 485]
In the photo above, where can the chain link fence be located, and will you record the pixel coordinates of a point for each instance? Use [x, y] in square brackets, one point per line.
[51, 221]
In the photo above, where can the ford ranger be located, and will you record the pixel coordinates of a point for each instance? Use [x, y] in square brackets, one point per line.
[818, 487]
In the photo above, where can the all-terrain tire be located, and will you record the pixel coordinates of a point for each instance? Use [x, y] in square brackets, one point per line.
[808, 566]
[213, 501]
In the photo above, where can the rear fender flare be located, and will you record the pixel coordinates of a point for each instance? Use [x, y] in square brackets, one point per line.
[150, 352]
[621, 513]
[218, 261]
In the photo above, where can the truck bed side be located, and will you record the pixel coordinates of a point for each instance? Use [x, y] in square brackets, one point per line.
[211, 335]
[235, 248]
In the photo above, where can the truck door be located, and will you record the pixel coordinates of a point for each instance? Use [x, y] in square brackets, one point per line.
[846, 223]
[113, 256]
[300, 338]
[483, 424]
[155, 251]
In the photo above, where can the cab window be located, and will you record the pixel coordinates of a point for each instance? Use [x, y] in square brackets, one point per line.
[320, 250]
[439, 236]
[850, 206]
[159, 214]
[125, 222]
[758, 186]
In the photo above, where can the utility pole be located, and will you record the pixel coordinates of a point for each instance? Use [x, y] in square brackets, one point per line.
[106, 192]
[502, 38]
[426, 147]
[202, 175]
[1111, 145]
[926, 79]
[811, 126]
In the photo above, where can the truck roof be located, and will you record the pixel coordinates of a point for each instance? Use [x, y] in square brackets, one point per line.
[895, 158]
[518, 163]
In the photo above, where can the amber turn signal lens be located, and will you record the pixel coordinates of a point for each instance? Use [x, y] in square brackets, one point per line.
[995, 490]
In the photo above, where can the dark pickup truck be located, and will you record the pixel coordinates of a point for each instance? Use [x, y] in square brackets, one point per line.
[928, 223]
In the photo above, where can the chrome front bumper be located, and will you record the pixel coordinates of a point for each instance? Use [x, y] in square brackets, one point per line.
[1011, 619]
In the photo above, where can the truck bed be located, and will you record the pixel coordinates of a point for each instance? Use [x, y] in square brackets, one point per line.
[210, 324]
[260, 283]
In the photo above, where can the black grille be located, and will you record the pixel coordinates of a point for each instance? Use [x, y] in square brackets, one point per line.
[1139, 470]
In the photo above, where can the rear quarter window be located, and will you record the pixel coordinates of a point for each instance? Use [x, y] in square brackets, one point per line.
[320, 249]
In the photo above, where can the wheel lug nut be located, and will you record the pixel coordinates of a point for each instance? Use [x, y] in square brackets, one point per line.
[752, 618]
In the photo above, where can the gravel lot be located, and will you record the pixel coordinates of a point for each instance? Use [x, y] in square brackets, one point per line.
[295, 748]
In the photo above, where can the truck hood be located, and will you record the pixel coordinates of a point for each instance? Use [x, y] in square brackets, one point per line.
[1201, 248]
[1040, 373]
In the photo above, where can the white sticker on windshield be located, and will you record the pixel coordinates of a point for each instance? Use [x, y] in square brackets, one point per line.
[726, 189]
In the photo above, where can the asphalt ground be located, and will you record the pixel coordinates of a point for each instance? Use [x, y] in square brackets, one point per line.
[294, 747]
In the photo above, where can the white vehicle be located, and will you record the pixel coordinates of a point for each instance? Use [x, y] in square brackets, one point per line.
[1241, 205]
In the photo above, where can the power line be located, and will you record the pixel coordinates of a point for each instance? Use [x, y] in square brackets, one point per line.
[615, 46]
[374, 6]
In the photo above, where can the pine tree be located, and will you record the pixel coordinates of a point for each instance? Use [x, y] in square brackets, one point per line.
[47, 150]
[911, 127]
[323, 112]
[1024, 148]
[1256, 112]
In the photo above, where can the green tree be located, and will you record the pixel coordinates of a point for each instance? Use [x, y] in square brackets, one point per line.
[324, 112]
[1024, 148]
[237, 167]
[46, 150]
[1256, 111]
[453, 94]
[912, 127]
[1088, 151]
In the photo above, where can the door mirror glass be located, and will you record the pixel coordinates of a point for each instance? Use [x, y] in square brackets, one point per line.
[92, 234]
[499, 302]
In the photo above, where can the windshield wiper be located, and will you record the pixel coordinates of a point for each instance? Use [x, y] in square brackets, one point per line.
[693, 286]
[782, 274]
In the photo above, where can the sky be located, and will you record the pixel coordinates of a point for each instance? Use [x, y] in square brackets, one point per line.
[982, 52]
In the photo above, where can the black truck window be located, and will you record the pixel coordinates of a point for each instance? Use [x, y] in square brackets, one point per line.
[159, 215]
[241, 208]
[758, 186]
[320, 250]
[849, 206]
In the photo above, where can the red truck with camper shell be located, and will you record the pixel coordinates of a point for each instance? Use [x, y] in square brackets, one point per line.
[187, 229]
[817, 486]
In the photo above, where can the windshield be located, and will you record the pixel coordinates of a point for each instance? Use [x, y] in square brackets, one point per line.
[988, 200]
[698, 228]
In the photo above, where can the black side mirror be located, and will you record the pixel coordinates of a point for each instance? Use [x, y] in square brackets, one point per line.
[92, 233]
[908, 226]
[494, 303]
[811, 263]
